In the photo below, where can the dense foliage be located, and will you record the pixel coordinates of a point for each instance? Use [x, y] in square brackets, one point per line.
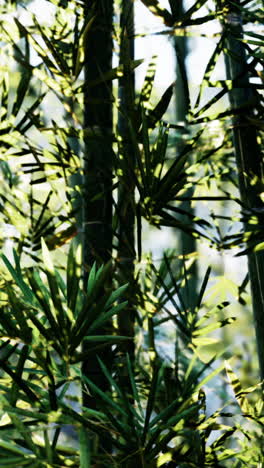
[87, 376]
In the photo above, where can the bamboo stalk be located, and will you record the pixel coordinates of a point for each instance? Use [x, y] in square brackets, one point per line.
[97, 191]
[187, 244]
[126, 196]
[248, 157]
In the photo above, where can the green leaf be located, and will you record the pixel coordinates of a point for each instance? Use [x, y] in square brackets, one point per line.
[112, 338]
[12, 448]
[28, 296]
[210, 376]
[112, 74]
[43, 297]
[151, 400]
[110, 403]
[61, 316]
[73, 275]
[155, 8]
[115, 295]
[156, 114]
[213, 326]
[136, 396]
[203, 287]
[240, 394]
[148, 82]
[106, 316]
[91, 279]
[47, 257]
[81, 44]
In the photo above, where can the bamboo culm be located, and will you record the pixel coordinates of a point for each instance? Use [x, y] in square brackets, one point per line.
[248, 157]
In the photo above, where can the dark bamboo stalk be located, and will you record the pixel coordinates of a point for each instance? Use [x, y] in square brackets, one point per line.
[248, 157]
[187, 243]
[97, 195]
[126, 197]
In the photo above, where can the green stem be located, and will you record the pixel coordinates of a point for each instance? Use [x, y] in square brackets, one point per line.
[85, 449]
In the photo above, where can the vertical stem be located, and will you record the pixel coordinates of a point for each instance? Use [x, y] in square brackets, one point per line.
[248, 157]
[97, 213]
[85, 449]
[187, 243]
[126, 200]
[97, 195]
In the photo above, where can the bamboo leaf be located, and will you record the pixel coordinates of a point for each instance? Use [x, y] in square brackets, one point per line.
[155, 8]
[156, 114]
[213, 326]
[47, 257]
[148, 82]
[43, 297]
[239, 393]
[103, 396]
[106, 316]
[115, 295]
[81, 42]
[54, 289]
[22, 90]
[18, 279]
[73, 276]
[108, 338]
[203, 287]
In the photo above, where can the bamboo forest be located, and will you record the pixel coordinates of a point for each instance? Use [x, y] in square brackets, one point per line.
[132, 233]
